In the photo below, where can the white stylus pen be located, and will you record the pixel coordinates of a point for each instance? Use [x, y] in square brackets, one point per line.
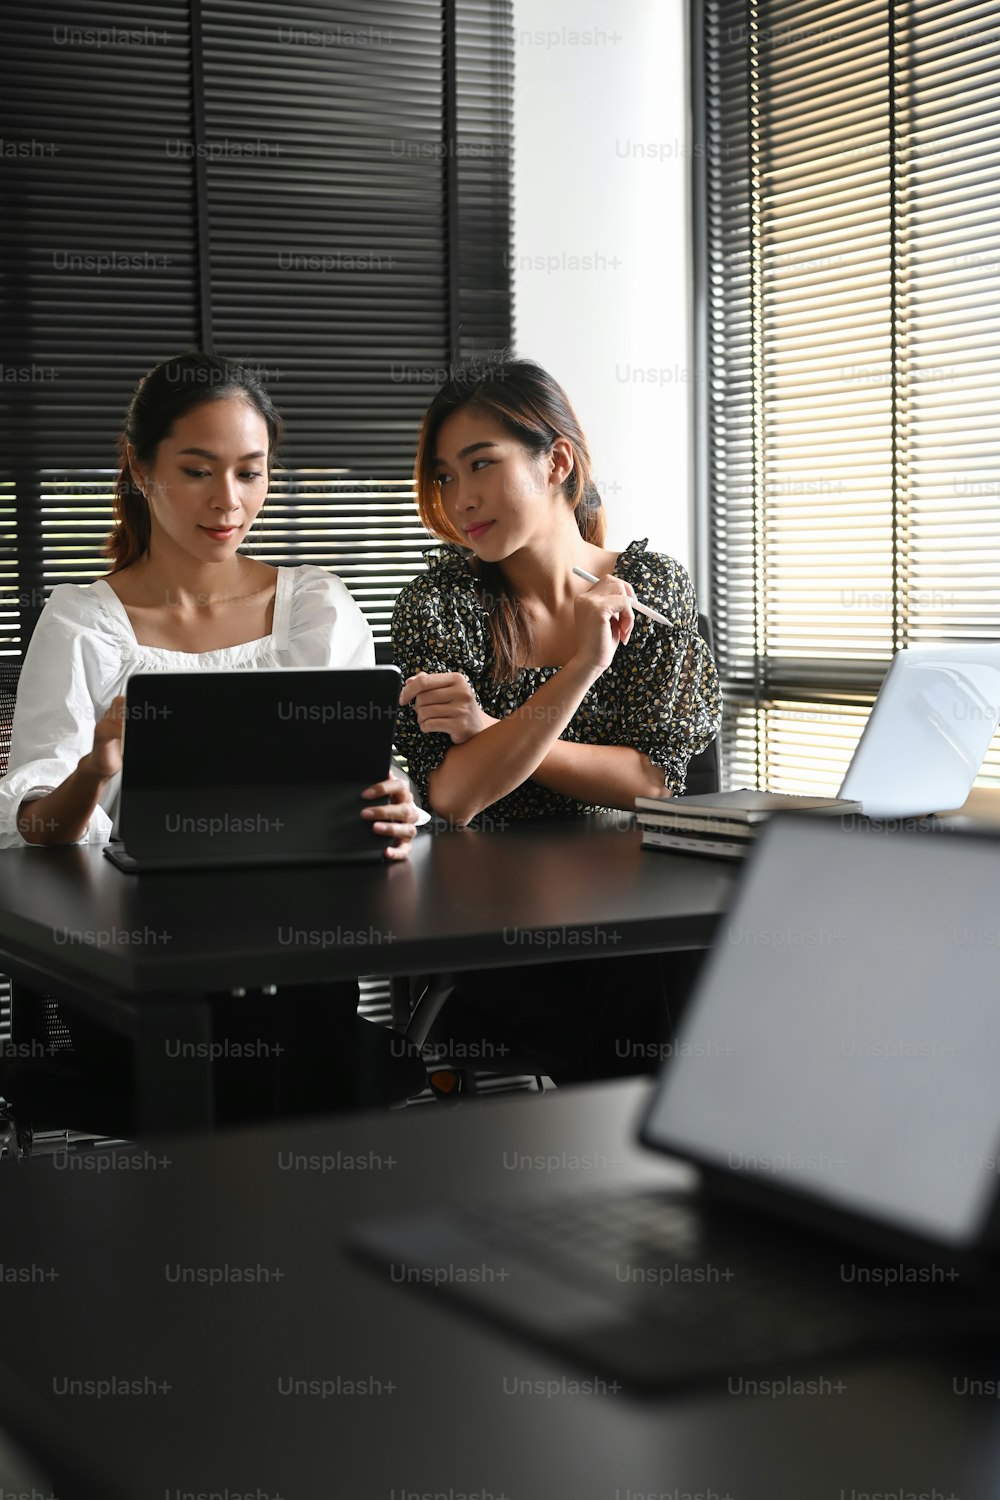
[643, 609]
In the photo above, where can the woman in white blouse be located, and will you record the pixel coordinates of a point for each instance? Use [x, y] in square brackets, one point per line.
[195, 460]
[196, 453]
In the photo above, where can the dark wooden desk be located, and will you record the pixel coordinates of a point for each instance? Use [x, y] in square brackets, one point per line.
[439, 1405]
[142, 953]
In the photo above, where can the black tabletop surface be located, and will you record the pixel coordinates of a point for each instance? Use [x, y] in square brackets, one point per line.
[212, 1277]
[465, 900]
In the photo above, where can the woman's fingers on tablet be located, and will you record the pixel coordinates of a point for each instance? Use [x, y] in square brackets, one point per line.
[404, 828]
[393, 812]
[396, 818]
[400, 826]
[398, 815]
[392, 787]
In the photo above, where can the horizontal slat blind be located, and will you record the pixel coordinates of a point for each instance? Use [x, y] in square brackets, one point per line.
[268, 182]
[852, 288]
[327, 243]
[12, 600]
[5, 1010]
[365, 531]
[97, 231]
[97, 247]
[484, 138]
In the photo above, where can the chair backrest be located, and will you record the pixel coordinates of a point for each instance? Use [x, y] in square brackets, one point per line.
[34, 1017]
[704, 769]
[10, 671]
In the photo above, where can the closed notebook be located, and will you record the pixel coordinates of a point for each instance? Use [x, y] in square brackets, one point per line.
[716, 844]
[741, 807]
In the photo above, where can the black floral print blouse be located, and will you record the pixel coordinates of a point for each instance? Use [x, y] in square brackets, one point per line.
[660, 694]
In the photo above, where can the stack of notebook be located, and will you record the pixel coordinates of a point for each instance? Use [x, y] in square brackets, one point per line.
[722, 823]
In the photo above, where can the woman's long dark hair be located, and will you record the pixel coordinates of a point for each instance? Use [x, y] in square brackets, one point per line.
[162, 396]
[535, 410]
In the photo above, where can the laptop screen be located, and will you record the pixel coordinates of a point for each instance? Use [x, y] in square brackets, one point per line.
[843, 1043]
[940, 703]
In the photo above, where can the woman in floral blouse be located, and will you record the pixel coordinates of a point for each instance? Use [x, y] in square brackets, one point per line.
[530, 692]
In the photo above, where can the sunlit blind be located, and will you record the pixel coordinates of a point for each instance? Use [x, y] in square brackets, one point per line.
[851, 233]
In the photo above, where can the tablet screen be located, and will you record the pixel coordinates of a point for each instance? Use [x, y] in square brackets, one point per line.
[844, 1041]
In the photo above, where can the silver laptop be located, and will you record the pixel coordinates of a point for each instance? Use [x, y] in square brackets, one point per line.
[929, 729]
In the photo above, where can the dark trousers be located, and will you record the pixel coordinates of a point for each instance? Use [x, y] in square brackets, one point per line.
[575, 1022]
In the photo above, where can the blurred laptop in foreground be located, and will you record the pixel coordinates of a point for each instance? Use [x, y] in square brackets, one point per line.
[835, 1082]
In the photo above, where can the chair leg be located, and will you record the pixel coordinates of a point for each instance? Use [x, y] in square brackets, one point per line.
[432, 994]
[429, 1004]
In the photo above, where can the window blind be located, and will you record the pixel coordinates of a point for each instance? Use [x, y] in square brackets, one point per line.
[849, 220]
[324, 192]
[98, 255]
[484, 134]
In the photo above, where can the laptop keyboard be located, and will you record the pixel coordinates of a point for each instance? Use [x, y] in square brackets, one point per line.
[664, 1258]
[654, 1288]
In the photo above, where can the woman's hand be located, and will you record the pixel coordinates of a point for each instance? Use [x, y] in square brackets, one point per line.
[105, 758]
[604, 619]
[397, 816]
[445, 704]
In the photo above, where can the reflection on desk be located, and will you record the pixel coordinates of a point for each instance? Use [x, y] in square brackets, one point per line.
[219, 1267]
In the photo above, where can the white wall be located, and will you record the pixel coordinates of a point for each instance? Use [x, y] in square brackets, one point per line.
[601, 177]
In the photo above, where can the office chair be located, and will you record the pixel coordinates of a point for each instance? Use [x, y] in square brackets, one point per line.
[417, 1000]
[42, 1081]
[35, 1019]
[704, 773]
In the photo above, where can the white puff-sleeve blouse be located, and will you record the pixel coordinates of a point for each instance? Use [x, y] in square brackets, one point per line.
[84, 650]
